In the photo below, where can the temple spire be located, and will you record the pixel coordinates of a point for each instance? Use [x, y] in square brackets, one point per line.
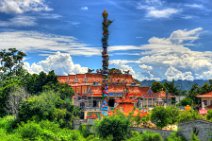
[105, 61]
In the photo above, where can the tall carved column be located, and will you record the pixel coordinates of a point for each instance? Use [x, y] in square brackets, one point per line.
[105, 61]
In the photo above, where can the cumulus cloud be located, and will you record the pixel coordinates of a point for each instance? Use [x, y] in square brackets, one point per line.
[61, 63]
[146, 67]
[123, 66]
[175, 74]
[45, 44]
[170, 58]
[22, 6]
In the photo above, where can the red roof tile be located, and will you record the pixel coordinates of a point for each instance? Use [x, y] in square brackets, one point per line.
[206, 95]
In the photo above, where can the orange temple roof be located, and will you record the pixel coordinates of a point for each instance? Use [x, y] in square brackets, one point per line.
[206, 95]
[127, 109]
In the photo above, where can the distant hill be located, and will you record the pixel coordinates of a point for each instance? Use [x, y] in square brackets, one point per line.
[182, 84]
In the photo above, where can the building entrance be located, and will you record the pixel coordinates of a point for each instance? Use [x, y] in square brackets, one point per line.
[111, 102]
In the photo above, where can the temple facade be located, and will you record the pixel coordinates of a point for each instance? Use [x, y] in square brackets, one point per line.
[124, 93]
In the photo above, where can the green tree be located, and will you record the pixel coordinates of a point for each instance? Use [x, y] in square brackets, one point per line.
[171, 88]
[6, 87]
[48, 106]
[186, 101]
[205, 88]
[118, 127]
[11, 61]
[193, 92]
[163, 116]
[157, 86]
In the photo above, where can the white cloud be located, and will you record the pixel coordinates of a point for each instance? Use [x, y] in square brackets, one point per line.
[123, 48]
[45, 43]
[194, 5]
[84, 8]
[19, 21]
[154, 9]
[169, 58]
[61, 63]
[154, 2]
[175, 74]
[179, 36]
[22, 6]
[161, 13]
[145, 67]
[49, 16]
[122, 65]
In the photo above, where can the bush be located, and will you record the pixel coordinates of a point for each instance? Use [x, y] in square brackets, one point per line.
[163, 116]
[175, 137]
[47, 106]
[189, 115]
[46, 130]
[209, 115]
[5, 136]
[186, 101]
[7, 122]
[117, 127]
[145, 136]
[194, 137]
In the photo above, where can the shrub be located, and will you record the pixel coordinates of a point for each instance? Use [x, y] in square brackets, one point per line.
[7, 122]
[5, 136]
[209, 115]
[175, 137]
[194, 137]
[46, 130]
[189, 115]
[186, 101]
[117, 127]
[145, 136]
[47, 106]
[163, 116]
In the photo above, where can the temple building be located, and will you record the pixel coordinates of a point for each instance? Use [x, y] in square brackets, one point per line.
[124, 93]
[108, 90]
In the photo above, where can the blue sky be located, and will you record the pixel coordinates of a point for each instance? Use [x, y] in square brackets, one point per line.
[154, 39]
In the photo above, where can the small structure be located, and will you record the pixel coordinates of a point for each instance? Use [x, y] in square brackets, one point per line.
[151, 99]
[127, 105]
[206, 100]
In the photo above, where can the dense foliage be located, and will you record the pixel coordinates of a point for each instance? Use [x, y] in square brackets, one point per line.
[175, 137]
[163, 116]
[209, 115]
[146, 136]
[118, 127]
